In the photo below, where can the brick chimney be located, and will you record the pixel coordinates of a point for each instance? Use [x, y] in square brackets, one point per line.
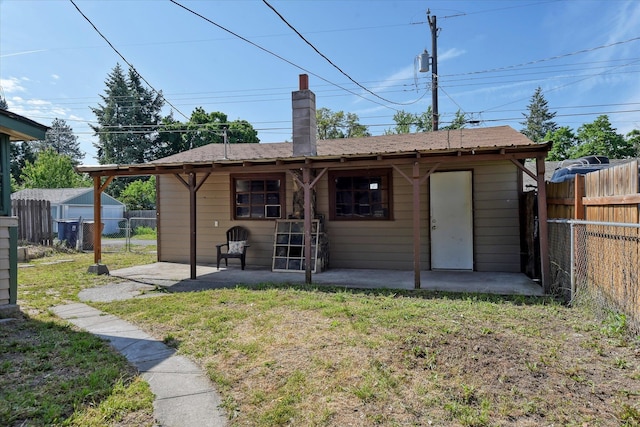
[304, 119]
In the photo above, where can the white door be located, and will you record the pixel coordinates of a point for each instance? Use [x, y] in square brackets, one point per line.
[451, 220]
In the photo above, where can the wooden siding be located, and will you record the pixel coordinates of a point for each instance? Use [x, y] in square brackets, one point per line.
[380, 244]
[352, 244]
[213, 204]
[4, 266]
[496, 217]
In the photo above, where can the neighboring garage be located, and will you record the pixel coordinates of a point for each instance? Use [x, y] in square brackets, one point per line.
[75, 203]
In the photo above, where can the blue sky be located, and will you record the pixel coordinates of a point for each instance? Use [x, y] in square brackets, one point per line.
[492, 55]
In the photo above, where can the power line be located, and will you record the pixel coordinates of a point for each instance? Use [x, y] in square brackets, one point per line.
[331, 62]
[552, 58]
[276, 55]
[568, 84]
[125, 60]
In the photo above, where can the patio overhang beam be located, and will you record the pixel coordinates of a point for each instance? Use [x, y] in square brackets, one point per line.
[356, 160]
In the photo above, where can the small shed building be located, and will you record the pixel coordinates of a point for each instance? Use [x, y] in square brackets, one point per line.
[445, 200]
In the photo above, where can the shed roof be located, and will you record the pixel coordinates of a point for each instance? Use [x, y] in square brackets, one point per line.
[61, 196]
[440, 141]
[460, 143]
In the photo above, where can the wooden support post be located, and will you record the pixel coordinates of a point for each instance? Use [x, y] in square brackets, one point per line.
[306, 180]
[192, 225]
[416, 225]
[98, 188]
[543, 227]
[416, 182]
[193, 188]
[97, 221]
[308, 185]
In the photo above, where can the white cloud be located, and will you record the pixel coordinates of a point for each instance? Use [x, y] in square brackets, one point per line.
[11, 85]
[55, 76]
[450, 54]
[37, 102]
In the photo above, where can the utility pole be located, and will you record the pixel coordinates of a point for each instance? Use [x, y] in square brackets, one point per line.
[434, 68]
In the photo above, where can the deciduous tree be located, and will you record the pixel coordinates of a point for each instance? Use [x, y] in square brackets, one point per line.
[202, 128]
[564, 143]
[458, 122]
[52, 170]
[600, 138]
[140, 194]
[335, 125]
[633, 138]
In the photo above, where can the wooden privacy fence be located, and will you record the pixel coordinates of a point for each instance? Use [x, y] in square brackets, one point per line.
[604, 239]
[609, 195]
[35, 224]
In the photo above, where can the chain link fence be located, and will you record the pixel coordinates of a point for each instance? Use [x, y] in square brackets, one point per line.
[597, 262]
[143, 235]
[118, 234]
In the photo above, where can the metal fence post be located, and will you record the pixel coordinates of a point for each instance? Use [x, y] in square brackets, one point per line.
[128, 236]
[572, 236]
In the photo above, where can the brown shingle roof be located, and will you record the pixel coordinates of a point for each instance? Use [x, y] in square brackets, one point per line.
[441, 141]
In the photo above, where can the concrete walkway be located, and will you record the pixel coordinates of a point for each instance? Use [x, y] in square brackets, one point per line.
[184, 394]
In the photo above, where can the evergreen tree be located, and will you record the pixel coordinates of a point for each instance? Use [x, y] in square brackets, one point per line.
[128, 120]
[61, 139]
[539, 120]
[21, 154]
[3, 103]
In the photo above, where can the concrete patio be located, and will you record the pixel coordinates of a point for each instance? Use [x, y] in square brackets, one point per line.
[176, 278]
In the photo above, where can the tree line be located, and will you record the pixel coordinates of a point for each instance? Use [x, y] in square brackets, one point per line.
[595, 138]
[131, 129]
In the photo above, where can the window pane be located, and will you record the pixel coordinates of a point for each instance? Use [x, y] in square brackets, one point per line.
[361, 195]
[273, 198]
[257, 211]
[242, 185]
[344, 183]
[257, 185]
[260, 198]
[257, 199]
[242, 212]
[273, 185]
[360, 183]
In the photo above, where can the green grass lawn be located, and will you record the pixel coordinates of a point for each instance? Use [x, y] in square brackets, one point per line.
[53, 374]
[306, 356]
